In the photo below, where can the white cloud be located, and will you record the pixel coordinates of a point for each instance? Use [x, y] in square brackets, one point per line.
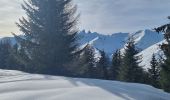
[123, 15]
[10, 12]
[105, 16]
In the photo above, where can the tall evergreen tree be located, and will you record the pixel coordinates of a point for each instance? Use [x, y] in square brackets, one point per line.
[7, 58]
[50, 35]
[102, 66]
[130, 71]
[88, 62]
[165, 67]
[4, 53]
[154, 72]
[116, 64]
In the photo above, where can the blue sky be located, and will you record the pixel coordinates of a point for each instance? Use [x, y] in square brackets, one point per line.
[103, 16]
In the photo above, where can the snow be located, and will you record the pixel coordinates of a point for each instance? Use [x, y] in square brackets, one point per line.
[146, 40]
[15, 85]
[108, 43]
[148, 52]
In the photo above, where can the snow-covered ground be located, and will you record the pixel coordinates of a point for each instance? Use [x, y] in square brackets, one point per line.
[15, 85]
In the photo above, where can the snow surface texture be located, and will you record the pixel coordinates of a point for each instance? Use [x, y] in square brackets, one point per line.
[15, 85]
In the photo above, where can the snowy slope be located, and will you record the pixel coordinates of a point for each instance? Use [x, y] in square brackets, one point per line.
[148, 52]
[147, 38]
[146, 41]
[16, 85]
[108, 43]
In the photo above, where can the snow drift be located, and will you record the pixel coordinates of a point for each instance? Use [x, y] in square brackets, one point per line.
[15, 85]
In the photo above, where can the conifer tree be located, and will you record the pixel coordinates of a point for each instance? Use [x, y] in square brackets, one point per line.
[102, 66]
[88, 62]
[130, 71]
[7, 58]
[154, 72]
[4, 53]
[165, 66]
[116, 64]
[50, 35]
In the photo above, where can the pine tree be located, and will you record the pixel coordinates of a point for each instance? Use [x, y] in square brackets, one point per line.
[102, 66]
[11, 61]
[7, 58]
[84, 65]
[154, 72]
[130, 71]
[116, 64]
[165, 66]
[4, 53]
[50, 35]
[22, 59]
[87, 63]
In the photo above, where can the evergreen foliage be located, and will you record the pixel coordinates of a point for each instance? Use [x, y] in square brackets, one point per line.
[116, 64]
[165, 66]
[154, 72]
[130, 71]
[102, 66]
[7, 57]
[87, 62]
[50, 36]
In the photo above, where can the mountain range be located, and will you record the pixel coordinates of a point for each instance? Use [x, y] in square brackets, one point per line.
[147, 42]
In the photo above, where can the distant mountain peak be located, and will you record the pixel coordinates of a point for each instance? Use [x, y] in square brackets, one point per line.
[144, 39]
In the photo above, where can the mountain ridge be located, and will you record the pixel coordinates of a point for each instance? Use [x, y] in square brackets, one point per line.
[144, 39]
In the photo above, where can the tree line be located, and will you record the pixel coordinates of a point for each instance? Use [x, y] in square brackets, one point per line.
[49, 46]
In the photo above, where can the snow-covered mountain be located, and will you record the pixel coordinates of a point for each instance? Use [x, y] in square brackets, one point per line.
[148, 52]
[15, 85]
[110, 43]
[146, 40]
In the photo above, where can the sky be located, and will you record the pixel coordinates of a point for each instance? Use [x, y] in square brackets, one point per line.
[103, 16]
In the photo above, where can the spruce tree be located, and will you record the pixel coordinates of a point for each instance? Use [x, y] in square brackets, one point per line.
[165, 66]
[87, 63]
[130, 71]
[90, 62]
[154, 72]
[7, 58]
[50, 35]
[116, 64]
[102, 66]
[4, 53]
